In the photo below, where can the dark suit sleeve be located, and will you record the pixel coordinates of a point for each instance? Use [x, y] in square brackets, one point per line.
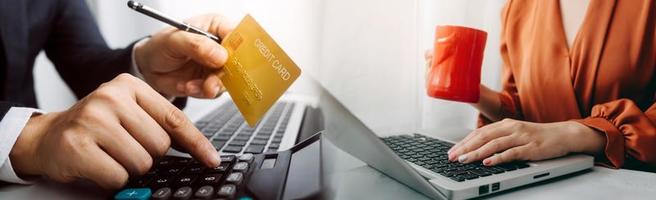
[79, 52]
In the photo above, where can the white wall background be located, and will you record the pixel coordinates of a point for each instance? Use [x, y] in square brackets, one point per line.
[368, 52]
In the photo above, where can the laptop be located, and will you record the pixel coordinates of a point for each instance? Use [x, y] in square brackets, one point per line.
[420, 162]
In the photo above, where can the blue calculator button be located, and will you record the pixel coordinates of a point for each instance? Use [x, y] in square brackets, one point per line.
[133, 194]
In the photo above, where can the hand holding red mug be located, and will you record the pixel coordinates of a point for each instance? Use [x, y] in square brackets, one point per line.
[455, 73]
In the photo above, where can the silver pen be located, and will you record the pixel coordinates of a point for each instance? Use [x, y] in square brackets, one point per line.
[143, 9]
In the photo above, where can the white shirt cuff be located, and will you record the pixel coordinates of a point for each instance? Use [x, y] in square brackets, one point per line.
[134, 68]
[11, 126]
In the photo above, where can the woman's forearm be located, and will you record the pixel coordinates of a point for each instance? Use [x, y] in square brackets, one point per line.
[489, 104]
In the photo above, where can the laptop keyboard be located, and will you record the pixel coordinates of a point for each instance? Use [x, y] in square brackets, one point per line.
[229, 133]
[431, 154]
[185, 178]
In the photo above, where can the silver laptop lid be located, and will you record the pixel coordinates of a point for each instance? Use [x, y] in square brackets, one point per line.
[350, 134]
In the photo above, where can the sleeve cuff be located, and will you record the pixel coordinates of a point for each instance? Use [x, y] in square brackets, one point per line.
[614, 150]
[8, 174]
[508, 106]
[134, 68]
[11, 126]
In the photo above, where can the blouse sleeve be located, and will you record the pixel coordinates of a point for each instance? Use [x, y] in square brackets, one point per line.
[630, 132]
[510, 107]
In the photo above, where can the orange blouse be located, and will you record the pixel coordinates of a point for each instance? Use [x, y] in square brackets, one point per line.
[605, 81]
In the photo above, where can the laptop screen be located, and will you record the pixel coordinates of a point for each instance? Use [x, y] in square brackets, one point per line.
[350, 134]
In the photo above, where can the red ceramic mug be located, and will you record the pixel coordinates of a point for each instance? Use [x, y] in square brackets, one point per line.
[455, 73]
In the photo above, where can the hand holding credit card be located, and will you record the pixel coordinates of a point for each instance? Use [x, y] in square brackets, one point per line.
[257, 72]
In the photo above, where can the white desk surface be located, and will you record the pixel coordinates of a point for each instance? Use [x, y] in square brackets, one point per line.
[353, 179]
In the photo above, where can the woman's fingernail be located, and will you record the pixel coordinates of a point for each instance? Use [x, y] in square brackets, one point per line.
[487, 162]
[462, 158]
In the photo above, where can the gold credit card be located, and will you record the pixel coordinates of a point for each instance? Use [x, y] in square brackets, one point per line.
[257, 72]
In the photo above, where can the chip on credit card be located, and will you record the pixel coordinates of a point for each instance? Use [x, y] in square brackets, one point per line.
[257, 72]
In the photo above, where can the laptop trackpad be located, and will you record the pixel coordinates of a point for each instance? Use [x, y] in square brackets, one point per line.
[303, 177]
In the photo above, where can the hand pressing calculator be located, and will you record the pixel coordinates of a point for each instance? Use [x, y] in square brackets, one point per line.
[184, 178]
[280, 175]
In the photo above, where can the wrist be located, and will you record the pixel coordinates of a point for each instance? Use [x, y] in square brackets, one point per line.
[138, 55]
[585, 139]
[23, 154]
[489, 103]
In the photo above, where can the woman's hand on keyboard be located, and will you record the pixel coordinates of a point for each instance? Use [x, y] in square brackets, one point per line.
[112, 133]
[510, 140]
